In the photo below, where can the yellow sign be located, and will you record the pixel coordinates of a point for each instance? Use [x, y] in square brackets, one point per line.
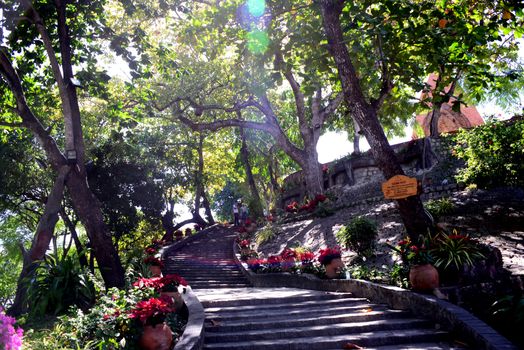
[400, 186]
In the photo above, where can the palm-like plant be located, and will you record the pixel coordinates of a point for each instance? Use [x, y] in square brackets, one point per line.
[57, 283]
[456, 250]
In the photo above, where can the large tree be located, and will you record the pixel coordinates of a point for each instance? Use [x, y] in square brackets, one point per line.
[46, 41]
[400, 55]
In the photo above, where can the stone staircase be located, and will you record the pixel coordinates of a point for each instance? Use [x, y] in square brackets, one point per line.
[284, 318]
[239, 317]
[207, 262]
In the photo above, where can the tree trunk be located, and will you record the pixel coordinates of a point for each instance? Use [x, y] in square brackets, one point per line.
[82, 254]
[255, 196]
[433, 123]
[312, 171]
[209, 214]
[40, 244]
[89, 211]
[411, 209]
[356, 137]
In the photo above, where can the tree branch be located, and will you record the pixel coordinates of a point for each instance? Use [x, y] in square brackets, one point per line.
[12, 125]
[387, 84]
[28, 118]
[281, 65]
[331, 107]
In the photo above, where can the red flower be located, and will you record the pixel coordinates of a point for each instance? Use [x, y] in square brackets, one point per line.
[173, 280]
[151, 260]
[320, 198]
[274, 259]
[150, 251]
[153, 282]
[325, 168]
[152, 311]
[288, 253]
[248, 222]
[327, 253]
[414, 248]
[244, 243]
[306, 256]
[106, 317]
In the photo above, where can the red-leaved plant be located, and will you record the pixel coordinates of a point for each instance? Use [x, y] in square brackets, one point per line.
[152, 311]
[326, 255]
[153, 261]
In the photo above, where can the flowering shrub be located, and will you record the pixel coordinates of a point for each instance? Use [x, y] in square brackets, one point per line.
[413, 254]
[492, 153]
[273, 263]
[10, 337]
[153, 282]
[152, 311]
[326, 255]
[165, 283]
[171, 282]
[256, 265]
[151, 251]
[154, 261]
[292, 207]
[288, 254]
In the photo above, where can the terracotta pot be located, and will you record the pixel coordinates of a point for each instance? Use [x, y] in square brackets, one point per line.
[177, 298]
[158, 337]
[156, 271]
[423, 277]
[334, 267]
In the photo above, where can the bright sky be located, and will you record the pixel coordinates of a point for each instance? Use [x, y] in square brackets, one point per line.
[334, 145]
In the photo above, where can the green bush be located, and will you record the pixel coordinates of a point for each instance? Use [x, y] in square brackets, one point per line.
[58, 283]
[358, 235]
[265, 234]
[494, 154]
[439, 207]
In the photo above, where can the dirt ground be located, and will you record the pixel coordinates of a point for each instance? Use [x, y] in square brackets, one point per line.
[494, 217]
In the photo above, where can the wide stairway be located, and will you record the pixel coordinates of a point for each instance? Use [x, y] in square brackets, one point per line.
[241, 317]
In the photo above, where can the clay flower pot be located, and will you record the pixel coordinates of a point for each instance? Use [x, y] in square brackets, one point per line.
[334, 267]
[423, 277]
[157, 337]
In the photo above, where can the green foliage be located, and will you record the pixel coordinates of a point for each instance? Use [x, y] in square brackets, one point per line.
[223, 200]
[58, 283]
[455, 251]
[265, 234]
[359, 235]
[508, 317]
[494, 154]
[439, 207]
[323, 209]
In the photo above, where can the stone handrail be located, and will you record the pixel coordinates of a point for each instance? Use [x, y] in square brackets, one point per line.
[193, 336]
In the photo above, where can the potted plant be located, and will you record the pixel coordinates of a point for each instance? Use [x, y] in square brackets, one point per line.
[169, 286]
[152, 314]
[244, 247]
[423, 276]
[454, 254]
[155, 265]
[306, 262]
[331, 259]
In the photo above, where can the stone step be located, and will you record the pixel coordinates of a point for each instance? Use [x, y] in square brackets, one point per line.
[273, 300]
[368, 339]
[213, 325]
[285, 313]
[419, 346]
[287, 304]
[218, 285]
[317, 330]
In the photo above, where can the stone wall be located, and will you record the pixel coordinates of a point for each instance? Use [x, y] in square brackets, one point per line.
[356, 177]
